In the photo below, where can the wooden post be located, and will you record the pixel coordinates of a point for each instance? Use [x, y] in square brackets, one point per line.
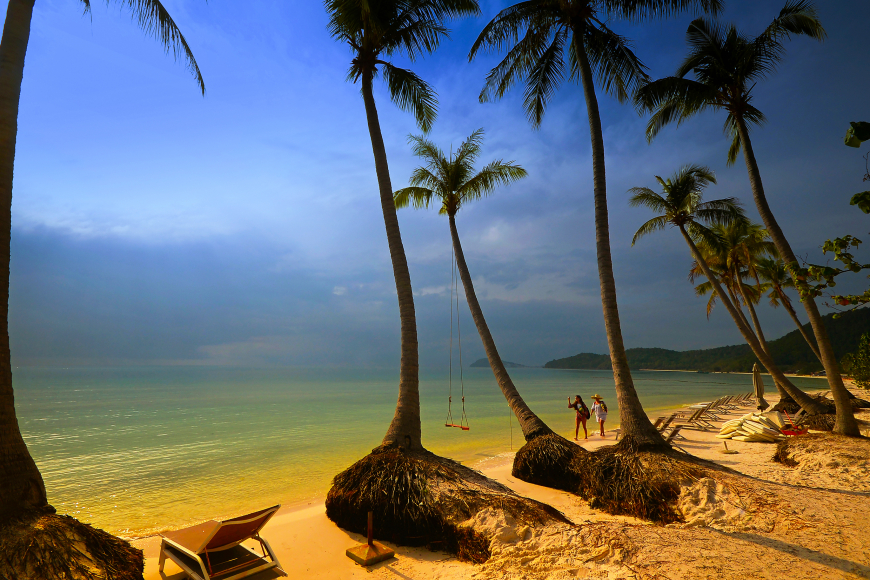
[371, 552]
[371, 530]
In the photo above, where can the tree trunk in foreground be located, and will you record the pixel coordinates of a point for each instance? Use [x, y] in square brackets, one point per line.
[21, 485]
[405, 427]
[788, 307]
[761, 340]
[807, 403]
[634, 422]
[845, 424]
[530, 423]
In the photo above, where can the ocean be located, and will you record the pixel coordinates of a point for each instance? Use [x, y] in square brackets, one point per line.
[138, 450]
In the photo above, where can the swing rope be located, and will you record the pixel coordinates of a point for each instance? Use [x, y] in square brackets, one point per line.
[454, 291]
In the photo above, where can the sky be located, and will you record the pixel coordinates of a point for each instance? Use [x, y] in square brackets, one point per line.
[154, 225]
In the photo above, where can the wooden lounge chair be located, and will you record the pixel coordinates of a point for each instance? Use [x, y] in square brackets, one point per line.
[663, 426]
[214, 550]
[675, 433]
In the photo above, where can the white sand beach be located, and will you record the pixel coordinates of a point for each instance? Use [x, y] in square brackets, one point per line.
[809, 521]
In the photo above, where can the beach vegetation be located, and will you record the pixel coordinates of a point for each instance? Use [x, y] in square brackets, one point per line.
[413, 494]
[728, 65]
[857, 364]
[35, 542]
[680, 205]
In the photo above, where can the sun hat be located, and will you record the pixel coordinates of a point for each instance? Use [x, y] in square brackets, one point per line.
[596, 396]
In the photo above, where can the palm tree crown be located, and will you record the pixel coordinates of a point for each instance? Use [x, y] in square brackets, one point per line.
[378, 30]
[680, 204]
[452, 179]
[726, 65]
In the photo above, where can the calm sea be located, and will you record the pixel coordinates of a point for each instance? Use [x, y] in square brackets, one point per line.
[139, 450]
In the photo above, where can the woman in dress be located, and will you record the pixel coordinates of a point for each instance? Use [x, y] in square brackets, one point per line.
[599, 407]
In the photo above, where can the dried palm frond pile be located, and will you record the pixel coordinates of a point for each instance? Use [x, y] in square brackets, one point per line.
[418, 498]
[621, 479]
[41, 545]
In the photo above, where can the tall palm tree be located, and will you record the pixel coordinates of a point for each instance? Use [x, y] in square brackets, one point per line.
[547, 41]
[727, 65]
[22, 489]
[375, 31]
[774, 274]
[679, 205]
[453, 182]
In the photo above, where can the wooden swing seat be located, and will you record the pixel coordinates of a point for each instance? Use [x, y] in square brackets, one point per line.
[463, 427]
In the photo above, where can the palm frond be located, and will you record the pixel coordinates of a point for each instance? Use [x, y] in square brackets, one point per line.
[655, 224]
[544, 78]
[492, 175]
[156, 21]
[618, 70]
[411, 93]
[645, 197]
[640, 10]
[419, 197]
[672, 99]
[505, 29]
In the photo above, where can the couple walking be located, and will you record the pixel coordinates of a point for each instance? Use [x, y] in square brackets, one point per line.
[598, 407]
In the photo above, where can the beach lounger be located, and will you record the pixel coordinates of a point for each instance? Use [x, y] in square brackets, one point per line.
[674, 434]
[662, 427]
[696, 420]
[213, 550]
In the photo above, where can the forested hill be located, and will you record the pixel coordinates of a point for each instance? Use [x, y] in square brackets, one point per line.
[790, 352]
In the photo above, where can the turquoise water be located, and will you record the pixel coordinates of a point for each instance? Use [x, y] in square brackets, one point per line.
[138, 450]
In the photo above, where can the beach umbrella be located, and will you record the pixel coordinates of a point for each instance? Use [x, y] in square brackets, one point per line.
[758, 385]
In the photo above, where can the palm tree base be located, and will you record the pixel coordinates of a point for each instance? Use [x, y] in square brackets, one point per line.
[418, 498]
[41, 545]
[622, 479]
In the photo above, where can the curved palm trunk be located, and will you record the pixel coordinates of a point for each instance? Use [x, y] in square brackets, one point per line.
[404, 429]
[805, 401]
[788, 307]
[21, 485]
[530, 423]
[845, 424]
[783, 394]
[634, 422]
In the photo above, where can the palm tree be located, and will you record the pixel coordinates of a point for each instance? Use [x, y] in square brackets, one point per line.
[22, 490]
[727, 65]
[375, 31]
[774, 274]
[546, 41]
[454, 183]
[734, 250]
[679, 205]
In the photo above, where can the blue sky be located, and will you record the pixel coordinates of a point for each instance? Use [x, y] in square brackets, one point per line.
[152, 225]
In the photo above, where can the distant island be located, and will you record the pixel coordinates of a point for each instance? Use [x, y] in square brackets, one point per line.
[790, 352]
[482, 362]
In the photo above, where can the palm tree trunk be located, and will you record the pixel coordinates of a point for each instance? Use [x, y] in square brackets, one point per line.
[783, 394]
[21, 485]
[807, 403]
[737, 303]
[635, 424]
[531, 425]
[404, 429]
[788, 307]
[845, 424]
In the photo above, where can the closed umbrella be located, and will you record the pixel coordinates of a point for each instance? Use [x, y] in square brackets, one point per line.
[758, 385]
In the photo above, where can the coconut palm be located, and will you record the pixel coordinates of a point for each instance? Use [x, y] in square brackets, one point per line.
[453, 182]
[374, 32]
[547, 41]
[22, 491]
[727, 66]
[774, 274]
[679, 205]
[396, 481]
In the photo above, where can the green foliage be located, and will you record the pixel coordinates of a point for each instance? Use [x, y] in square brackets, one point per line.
[862, 200]
[789, 352]
[857, 364]
[858, 133]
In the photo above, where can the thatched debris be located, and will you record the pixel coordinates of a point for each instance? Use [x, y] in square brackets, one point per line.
[817, 422]
[622, 479]
[791, 407]
[420, 499]
[41, 545]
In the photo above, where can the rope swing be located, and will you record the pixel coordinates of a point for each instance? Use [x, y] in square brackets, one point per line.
[454, 292]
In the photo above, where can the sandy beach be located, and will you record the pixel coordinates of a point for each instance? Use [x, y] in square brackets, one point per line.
[808, 521]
